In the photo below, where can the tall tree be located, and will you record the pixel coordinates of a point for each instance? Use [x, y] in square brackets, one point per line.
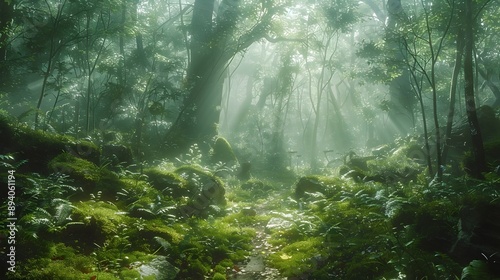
[475, 131]
[214, 42]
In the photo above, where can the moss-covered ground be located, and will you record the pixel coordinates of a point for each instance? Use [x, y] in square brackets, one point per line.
[389, 221]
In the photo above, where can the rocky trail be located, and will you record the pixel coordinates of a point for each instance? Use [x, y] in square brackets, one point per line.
[255, 267]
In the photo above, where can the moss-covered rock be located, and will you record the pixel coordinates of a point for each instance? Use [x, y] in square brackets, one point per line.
[219, 276]
[313, 183]
[169, 183]
[151, 230]
[222, 152]
[77, 168]
[205, 190]
[86, 174]
[100, 220]
[40, 147]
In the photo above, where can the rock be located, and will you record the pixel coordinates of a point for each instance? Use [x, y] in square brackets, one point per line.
[308, 184]
[222, 152]
[205, 190]
[38, 147]
[169, 183]
[203, 183]
[160, 268]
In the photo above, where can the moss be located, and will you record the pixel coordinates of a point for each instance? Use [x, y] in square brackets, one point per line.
[40, 147]
[155, 228]
[296, 259]
[87, 175]
[134, 189]
[322, 184]
[169, 183]
[130, 274]
[62, 263]
[205, 190]
[219, 276]
[100, 221]
[78, 168]
[222, 152]
[196, 270]
[241, 219]
[220, 269]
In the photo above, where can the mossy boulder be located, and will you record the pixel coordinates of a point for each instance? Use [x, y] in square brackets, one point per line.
[222, 152]
[313, 184]
[203, 183]
[168, 183]
[151, 230]
[100, 220]
[38, 147]
[86, 174]
[77, 168]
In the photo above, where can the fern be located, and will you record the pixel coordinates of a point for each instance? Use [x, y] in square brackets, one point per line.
[164, 243]
[476, 270]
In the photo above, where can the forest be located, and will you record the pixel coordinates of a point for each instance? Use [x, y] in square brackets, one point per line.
[250, 139]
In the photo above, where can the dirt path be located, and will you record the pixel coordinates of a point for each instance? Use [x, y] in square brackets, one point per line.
[255, 268]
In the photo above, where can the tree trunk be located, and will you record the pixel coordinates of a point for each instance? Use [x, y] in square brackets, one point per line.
[6, 15]
[199, 116]
[475, 131]
[453, 92]
[212, 48]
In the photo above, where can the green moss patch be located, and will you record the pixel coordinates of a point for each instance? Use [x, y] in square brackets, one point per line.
[297, 258]
[168, 183]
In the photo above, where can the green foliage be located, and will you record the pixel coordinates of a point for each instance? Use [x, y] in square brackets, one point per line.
[205, 244]
[62, 262]
[193, 156]
[40, 191]
[43, 220]
[477, 269]
[341, 15]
